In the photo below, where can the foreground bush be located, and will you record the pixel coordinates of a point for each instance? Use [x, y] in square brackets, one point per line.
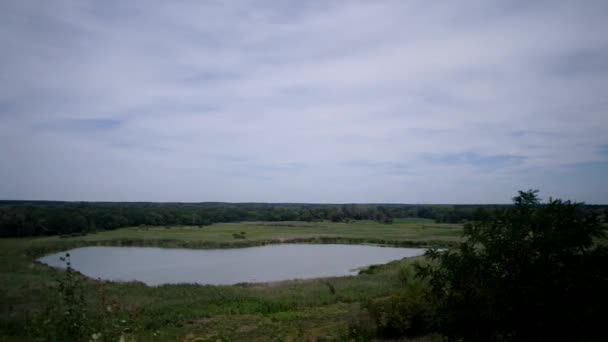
[72, 318]
[533, 272]
[408, 313]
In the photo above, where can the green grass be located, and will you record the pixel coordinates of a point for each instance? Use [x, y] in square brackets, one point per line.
[289, 310]
[222, 232]
[222, 235]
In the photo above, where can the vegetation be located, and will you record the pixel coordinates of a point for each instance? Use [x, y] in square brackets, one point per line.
[408, 313]
[531, 271]
[36, 218]
[296, 310]
[69, 218]
[68, 317]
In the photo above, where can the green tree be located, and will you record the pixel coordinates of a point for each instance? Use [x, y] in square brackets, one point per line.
[335, 214]
[530, 272]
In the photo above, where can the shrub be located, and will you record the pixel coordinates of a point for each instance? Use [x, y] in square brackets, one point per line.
[531, 272]
[409, 313]
[72, 318]
[239, 236]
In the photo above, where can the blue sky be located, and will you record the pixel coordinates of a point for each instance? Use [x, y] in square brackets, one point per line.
[303, 101]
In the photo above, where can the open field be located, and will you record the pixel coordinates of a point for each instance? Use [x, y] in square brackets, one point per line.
[405, 232]
[289, 310]
[412, 230]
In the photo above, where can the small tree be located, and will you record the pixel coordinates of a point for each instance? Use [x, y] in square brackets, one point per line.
[68, 319]
[72, 318]
[531, 272]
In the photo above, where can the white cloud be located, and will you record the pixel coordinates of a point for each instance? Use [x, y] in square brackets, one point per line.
[338, 101]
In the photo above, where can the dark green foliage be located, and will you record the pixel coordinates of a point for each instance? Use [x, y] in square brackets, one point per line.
[330, 287]
[530, 272]
[21, 218]
[239, 235]
[405, 314]
[409, 313]
[65, 218]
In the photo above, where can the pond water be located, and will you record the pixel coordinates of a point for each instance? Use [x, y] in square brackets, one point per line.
[157, 266]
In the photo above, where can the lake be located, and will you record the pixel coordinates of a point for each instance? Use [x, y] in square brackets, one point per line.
[157, 266]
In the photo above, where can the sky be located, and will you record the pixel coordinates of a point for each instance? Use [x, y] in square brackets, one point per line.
[303, 101]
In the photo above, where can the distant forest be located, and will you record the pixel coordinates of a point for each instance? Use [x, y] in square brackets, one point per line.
[32, 218]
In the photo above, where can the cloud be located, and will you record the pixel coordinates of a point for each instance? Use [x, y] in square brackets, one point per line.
[490, 163]
[387, 101]
[80, 125]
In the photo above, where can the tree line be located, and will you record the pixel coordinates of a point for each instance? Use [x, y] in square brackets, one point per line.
[53, 218]
[33, 218]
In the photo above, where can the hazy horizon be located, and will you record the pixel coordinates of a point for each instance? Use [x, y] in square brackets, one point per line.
[408, 102]
[507, 202]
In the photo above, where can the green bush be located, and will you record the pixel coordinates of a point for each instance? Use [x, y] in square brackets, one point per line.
[71, 317]
[409, 313]
[531, 272]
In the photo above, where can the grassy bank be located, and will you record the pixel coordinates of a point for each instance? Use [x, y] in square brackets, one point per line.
[296, 310]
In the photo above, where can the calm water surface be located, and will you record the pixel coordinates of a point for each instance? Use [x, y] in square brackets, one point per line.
[157, 266]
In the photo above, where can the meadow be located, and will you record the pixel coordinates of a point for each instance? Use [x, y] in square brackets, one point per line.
[313, 309]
